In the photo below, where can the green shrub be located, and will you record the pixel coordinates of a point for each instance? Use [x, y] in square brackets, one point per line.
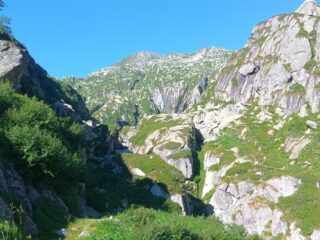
[44, 147]
[296, 90]
[309, 66]
[140, 217]
[44, 152]
[9, 231]
[156, 231]
[4, 21]
[181, 154]
[32, 113]
[7, 98]
[49, 217]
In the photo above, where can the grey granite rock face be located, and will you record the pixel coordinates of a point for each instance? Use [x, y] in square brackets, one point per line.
[275, 62]
[27, 77]
[309, 7]
[147, 83]
[168, 141]
[169, 99]
[241, 203]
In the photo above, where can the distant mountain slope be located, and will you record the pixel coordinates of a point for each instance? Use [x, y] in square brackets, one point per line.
[258, 162]
[147, 83]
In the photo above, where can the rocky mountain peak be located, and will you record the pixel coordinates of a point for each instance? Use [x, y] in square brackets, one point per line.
[140, 57]
[309, 7]
[279, 65]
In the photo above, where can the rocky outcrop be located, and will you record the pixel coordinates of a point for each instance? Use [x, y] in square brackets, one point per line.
[212, 118]
[309, 7]
[169, 99]
[26, 196]
[27, 77]
[198, 91]
[183, 201]
[295, 145]
[174, 144]
[278, 65]
[250, 205]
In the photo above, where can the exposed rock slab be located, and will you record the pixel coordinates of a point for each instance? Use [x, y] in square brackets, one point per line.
[247, 204]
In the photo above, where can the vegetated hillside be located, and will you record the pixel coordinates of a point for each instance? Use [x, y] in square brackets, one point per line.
[58, 165]
[150, 224]
[40, 157]
[246, 152]
[147, 83]
[253, 148]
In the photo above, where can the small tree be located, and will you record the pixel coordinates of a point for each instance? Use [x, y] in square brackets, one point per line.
[4, 21]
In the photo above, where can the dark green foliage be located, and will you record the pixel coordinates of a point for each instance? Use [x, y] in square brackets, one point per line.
[33, 131]
[310, 65]
[9, 231]
[42, 146]
[44, 150]
[106, 190]
[49, 217]
[4, 21]
[296, 90]
[32, 113]
[7, 97]
[157, 231]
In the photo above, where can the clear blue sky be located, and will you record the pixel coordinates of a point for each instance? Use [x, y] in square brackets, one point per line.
[76, 37]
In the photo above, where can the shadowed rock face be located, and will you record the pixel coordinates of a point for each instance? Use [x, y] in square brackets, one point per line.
[278, 65]
[27, 77]
[19, 68]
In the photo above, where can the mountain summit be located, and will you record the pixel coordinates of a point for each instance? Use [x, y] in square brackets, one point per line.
[309, 7]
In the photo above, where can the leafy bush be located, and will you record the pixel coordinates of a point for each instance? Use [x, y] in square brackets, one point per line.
[181, 154]
[156, 231]
[7, 96]
[4, 21]
[296, 90]
[310, 65]
[32, 113]
[43, 146]
[9, 231]
[43, 151]
[49, 217]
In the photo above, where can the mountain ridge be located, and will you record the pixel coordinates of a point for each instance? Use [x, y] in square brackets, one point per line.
[258, 123]
[163, 84]
[232, 135]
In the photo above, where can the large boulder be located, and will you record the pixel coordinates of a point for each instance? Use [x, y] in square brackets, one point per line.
[248, 205]
[173, 141]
